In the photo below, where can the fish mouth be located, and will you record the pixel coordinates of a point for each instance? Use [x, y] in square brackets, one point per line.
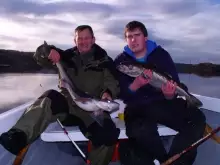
[124, 69]
[130, 69]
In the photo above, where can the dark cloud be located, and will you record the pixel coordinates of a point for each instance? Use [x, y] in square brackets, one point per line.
[191, 56]
[28, 7]
[159, 39]
[37, 20]
[169, 8]
[62, 46]
[162, 41]
[117, 28]
[181, 8]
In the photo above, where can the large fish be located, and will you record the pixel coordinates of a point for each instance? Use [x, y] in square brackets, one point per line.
[158, 79]
[87, 104]
[91, 104]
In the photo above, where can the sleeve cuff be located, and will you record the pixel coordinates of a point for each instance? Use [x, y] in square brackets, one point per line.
[106, 90]
[130, 90]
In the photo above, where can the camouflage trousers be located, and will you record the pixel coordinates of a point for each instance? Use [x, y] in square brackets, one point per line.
[52, 105]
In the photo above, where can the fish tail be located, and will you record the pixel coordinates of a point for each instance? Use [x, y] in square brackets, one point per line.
[195, 101]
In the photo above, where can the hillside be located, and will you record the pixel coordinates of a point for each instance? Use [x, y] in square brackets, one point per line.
[12, 61]
[201, 69]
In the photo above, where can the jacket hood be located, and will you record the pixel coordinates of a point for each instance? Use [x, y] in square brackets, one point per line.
[151, 46]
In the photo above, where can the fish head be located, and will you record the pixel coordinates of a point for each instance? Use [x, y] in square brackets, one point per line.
[43, 50]
[130, 70]
[108, 105]
[87, 104]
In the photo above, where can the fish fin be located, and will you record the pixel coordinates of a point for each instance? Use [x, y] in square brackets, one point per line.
[46, 48]
[183, 86]
[158, 70]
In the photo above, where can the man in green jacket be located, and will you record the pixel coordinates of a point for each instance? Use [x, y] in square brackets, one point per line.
[91, 71]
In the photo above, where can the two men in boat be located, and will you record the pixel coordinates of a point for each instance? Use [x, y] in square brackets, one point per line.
[147, 107]
[91, 70]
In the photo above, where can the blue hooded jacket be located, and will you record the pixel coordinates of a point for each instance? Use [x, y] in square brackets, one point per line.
[156, 56]
[150, 47]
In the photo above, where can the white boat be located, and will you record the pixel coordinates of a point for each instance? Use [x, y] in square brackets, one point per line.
[54, 147]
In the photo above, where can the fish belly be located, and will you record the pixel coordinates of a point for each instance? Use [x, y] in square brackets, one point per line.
[158, 80]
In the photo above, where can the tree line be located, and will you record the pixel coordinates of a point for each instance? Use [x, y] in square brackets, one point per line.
[12, 61]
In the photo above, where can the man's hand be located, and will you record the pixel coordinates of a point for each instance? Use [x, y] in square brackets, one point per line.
[141, 80]
[107, 96]
[169, 89]
[62, 84]
[54, 56]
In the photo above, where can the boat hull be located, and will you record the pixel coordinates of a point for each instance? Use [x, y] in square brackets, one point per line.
[44, 153]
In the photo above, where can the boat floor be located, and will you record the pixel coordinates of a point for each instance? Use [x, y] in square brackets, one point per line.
[64, 153]
[45, 153]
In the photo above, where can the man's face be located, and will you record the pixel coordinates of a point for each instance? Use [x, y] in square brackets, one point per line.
[136, 40]
[84, 40]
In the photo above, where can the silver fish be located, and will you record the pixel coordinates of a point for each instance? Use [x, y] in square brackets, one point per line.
[158, 79]
[92, 105]
[87, 104]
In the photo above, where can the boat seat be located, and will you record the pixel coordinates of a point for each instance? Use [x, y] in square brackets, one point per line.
[54, 132]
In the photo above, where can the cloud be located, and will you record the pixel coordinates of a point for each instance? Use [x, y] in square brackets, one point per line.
[189, 30]
[36, 8]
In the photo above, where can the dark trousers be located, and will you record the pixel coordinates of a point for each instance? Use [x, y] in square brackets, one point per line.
[141, 128]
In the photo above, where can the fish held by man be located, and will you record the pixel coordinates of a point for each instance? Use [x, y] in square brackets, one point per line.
[157, 80]
[86, 103]
[95, 105]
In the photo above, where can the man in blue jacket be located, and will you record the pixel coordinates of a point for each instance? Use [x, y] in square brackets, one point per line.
[147, 107]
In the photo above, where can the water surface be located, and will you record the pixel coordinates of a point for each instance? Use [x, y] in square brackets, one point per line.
[19, 88]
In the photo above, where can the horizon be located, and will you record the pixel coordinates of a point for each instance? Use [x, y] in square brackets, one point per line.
[178, 62]
[186, 29]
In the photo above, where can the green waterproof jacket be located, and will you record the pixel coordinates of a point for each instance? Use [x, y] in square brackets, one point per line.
[92, 74]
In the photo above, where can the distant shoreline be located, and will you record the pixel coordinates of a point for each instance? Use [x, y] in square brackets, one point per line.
[12, 61]
[201, 69]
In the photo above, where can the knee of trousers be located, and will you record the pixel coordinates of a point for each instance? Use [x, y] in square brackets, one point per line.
[138, 128]
[197, 124]
[199, 118]
[106, 135]
[59, 104]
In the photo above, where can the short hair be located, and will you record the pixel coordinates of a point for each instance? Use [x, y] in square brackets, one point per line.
[83, 27]
[134, 25]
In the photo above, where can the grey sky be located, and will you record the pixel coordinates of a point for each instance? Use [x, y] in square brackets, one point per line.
[188, 29]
